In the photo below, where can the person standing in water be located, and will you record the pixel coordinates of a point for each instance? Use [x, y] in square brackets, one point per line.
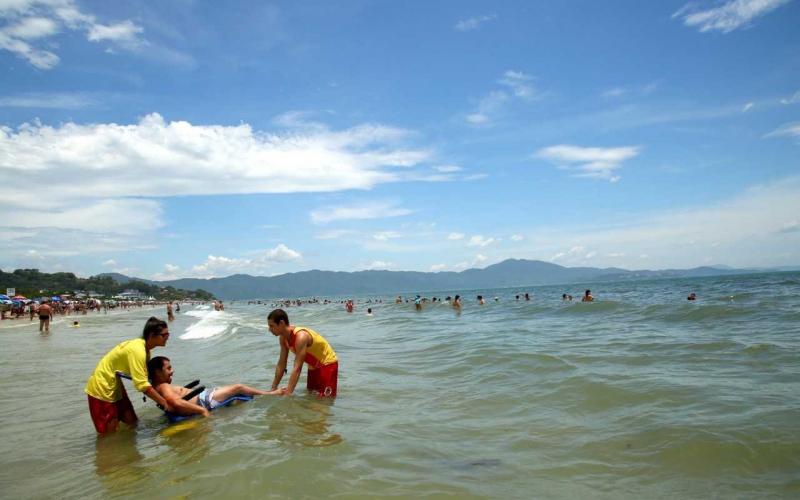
[108, 400]
[170, 315]
[308, 347]
[45, 314]
[587, 297]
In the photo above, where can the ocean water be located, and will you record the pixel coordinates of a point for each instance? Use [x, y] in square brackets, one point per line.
[640, 394]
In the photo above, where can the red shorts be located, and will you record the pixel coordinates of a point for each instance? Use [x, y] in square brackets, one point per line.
[103, 412]
[323, 380]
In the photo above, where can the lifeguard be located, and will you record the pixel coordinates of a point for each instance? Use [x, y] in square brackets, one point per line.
[308, 347]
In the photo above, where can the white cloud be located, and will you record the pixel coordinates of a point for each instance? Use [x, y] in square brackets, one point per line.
[786, 130]
[517, 237]
[517, 87]
[793, 99]
[110, 263]
[438, 267]
[281, 253]
[747, 107]
[171, 268]
[473, 23]
[447, 169]
[31, 28]
[480, 241]
[727, 17]
[480, 259]
[361, 211]
[379, 264]
[259, 264]
[125, 32]
[597, 163]
[47, 101]
[37, 21]
[572, 252]
[455, 236]
[152, 158]
[386, 235]
[633, 90]
[519, 83]
[753, 229]
[487, 107]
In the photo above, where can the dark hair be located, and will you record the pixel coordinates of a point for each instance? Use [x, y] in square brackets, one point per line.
[154, 365]
[153, 326]
[588, 292]
[480, 297]
[277, 316]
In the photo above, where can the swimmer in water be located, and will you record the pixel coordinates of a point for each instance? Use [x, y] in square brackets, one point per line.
[692, 296]
[75, 324]
[480, 300]
[457, 302]
[587, 296]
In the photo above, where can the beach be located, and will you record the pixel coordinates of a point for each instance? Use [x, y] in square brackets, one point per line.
[640, 394]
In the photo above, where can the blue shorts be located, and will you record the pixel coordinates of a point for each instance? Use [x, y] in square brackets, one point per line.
[206, 399]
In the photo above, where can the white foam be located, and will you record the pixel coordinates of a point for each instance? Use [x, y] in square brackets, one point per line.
[211, 324]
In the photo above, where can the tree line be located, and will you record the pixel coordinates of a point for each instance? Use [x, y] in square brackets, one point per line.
[32, 284]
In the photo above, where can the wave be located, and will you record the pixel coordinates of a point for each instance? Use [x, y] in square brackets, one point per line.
[211, 324]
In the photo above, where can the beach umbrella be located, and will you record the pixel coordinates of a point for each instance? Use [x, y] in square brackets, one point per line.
[19, 297]
[55, 299]
[4, 296]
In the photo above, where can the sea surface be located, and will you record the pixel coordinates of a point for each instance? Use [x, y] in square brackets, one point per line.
[641, 394]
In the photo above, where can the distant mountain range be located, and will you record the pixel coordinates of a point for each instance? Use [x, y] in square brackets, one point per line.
[509, 273]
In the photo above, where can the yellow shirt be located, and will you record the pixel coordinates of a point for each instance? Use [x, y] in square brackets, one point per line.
[129, 357]
[319, 354]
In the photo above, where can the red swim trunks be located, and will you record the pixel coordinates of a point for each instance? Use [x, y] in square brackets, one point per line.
[103, 412]
[323, 380]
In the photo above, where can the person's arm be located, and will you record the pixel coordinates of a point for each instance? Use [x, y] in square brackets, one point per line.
[299, 358]
[280, 367]
[177, 404]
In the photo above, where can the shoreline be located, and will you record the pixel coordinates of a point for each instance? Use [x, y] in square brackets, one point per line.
[23, 321]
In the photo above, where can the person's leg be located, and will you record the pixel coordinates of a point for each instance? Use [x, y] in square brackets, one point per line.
[312, 380]
[104, 415]
[41, 324]
[226, 391]
[126, 412]
[327, 380]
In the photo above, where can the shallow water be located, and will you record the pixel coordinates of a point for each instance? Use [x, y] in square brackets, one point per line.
[641, 394]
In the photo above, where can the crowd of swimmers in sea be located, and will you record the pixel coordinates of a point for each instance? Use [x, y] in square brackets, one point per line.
[419, 301]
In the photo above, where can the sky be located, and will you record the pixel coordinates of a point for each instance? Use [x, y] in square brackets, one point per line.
[166, 139]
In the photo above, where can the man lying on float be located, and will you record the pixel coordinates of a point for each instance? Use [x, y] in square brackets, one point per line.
[160, 372]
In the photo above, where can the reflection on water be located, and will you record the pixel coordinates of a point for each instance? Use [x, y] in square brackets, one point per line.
[118, 463]
[303, 423]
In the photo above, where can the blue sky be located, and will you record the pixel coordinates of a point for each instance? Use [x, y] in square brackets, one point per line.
[174, 139]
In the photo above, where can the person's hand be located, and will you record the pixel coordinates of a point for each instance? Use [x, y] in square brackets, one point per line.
[168, 407]
[205, 413]
[284, 391]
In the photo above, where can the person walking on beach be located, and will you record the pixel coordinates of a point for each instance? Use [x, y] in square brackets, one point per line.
[108, 400]
[45, 314]
[308, 347]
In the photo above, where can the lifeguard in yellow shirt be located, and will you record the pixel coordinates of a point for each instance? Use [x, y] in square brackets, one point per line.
[108, 400]
[308, 347]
